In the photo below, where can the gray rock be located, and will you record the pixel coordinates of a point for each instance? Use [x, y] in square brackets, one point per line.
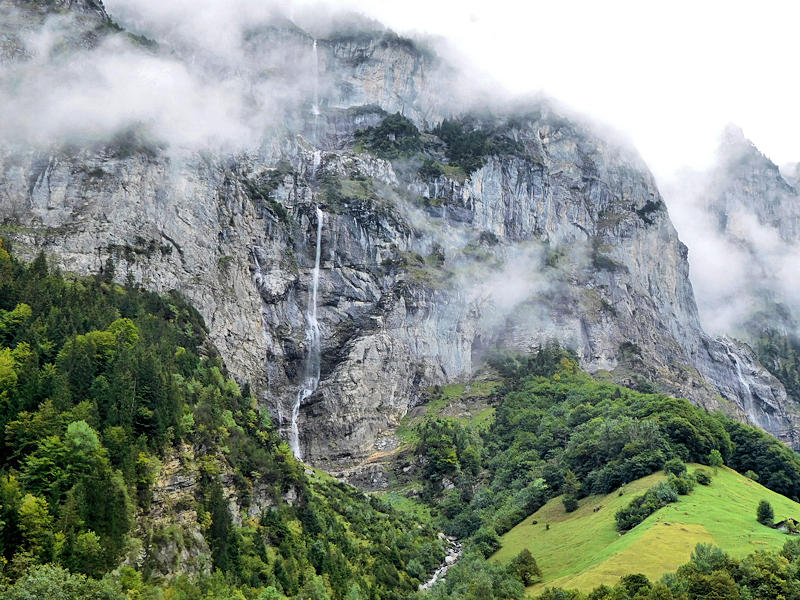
[567, 239]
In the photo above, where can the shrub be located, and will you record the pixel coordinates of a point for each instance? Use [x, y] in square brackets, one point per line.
[394, 137]
[702, 476]
[643, 506]
[682, 485]
[715, 459]
[524, 568]
[675, 466]
[750, 474]
[570, 503]
[764, 513]
[486, 541]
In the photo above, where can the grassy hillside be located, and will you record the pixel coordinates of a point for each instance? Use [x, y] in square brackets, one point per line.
[583, 549]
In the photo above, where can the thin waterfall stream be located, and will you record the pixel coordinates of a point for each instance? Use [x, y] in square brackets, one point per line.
[312, 364]
[315, 106]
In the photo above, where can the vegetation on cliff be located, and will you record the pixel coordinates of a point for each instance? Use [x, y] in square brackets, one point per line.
[102, 383]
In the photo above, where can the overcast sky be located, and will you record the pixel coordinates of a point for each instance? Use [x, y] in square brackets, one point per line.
[670, 75]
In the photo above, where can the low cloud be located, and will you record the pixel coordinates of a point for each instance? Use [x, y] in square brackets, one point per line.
[742, 266]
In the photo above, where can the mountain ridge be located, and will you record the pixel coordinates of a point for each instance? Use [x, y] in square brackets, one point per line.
[576, 227]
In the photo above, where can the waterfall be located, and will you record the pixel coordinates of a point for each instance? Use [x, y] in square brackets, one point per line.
[315, 163]
[315, 106]
[311, 369]
[745, 386]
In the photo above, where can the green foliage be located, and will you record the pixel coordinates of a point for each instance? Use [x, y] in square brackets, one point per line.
[448, 448]
[524, 567]
[645, 505]
[99, 384]
[780, 354]
[702, 476]
[682, 485]
[675, 466]
[55, 583]
[570, 487]
[570, 503]
[710, 575]
[472, 578]
[776, 466]
[468, 146]
[715, 459]
[764, 513]
[544, 363]
[394, 137]
[557, 431]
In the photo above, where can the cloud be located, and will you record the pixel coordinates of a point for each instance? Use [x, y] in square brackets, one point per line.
[96, 93]
[741, 268]
[210, 83]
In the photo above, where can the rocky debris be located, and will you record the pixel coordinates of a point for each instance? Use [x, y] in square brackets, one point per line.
[454, 551]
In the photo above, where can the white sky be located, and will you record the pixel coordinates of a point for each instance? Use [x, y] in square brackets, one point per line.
[670, 74]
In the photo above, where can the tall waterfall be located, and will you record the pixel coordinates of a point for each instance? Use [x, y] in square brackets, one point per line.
[311, 369]
[315, 106]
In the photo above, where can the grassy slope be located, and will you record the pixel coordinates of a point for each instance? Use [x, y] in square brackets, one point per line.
[583, 549]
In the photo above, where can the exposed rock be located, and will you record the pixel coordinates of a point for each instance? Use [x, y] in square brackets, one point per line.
[565, 237]
[173, 539]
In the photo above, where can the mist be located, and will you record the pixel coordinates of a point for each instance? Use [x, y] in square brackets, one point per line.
[190, 78]
[739, 221]
[668, 75]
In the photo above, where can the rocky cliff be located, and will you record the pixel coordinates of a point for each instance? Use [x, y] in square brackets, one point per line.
[743, 218]
[510, 228]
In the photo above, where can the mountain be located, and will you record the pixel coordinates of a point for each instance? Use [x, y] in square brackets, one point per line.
[747, 181]
[126, 447]
[742, 217]
[353, 256]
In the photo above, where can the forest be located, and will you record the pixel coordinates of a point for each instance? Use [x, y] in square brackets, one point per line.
[100, 384]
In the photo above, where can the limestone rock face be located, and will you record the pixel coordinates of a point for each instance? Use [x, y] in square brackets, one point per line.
[747, 181]
[564, 236]
[742, 218]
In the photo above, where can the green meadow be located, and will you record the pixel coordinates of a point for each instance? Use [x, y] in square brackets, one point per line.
[583, 549]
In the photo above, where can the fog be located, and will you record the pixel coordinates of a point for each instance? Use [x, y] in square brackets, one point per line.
[668, 75]
[739, 220]
[666, 79]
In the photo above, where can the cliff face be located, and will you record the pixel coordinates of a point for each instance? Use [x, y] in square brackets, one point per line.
[742, 218]
[746, 181]
[557, 234]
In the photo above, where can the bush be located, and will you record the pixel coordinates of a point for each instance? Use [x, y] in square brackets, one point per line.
[643, 506]
[50, 581]
[570, 503]
[486, 541]
[682, 485]
[750, 474]
[675, 466]
[702, 476]
[715, 459]
[394, 137]
[764, 513]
